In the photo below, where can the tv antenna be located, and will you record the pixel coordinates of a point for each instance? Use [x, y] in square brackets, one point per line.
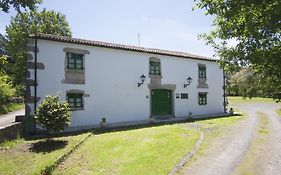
[139, 39]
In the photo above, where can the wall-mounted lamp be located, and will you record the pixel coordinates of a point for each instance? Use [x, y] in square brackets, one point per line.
[142, 79]
[189, 80]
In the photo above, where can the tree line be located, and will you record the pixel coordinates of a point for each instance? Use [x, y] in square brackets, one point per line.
[28, 20]
[253, 62]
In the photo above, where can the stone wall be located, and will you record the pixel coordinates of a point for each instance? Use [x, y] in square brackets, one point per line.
[11, 132]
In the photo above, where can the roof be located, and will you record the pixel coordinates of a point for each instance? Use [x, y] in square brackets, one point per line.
[120, 46]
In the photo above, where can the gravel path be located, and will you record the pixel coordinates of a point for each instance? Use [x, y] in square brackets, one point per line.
[226, 152]
[9, 118]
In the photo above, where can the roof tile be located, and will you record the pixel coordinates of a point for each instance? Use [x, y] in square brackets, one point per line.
[120, 46]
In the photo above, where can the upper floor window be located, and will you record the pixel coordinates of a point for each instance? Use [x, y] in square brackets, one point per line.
[202, 98]
[202, 71]
[75, 61]
[75, 100]
[154, 68]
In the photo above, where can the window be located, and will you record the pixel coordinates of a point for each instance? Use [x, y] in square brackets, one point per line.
[202, 98]
[202, 71]
[75, 100]
[74, 61]
[154, 68]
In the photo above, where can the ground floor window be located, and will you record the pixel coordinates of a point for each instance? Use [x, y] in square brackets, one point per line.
[202, 98]
[75, 100]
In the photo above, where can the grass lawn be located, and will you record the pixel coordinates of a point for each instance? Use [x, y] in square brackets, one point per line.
[240, 100]
[10, 108]
[31, 157]
[154, 150]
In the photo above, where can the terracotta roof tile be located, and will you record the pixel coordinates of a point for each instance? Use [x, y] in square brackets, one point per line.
[120, 46]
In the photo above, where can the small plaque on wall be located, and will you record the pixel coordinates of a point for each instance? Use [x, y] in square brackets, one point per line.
[184, 95]
[177, 95]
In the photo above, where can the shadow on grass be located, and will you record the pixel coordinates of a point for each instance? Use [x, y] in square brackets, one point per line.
[47, 146]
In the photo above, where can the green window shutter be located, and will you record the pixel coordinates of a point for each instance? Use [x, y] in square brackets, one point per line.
[154, 68]
[202, 98]
[202, 71]
[75, 61]
[75, 100]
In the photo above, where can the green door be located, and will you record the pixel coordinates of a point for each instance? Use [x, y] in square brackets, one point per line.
[161, 102]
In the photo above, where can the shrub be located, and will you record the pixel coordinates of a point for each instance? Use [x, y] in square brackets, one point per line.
[52, 114]
[6, 89]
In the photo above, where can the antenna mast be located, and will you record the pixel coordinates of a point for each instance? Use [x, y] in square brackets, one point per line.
[139, 39]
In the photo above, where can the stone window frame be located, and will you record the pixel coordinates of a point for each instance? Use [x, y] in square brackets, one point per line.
[74, 76]
[155, 79]
[202, 98]
[202, 71]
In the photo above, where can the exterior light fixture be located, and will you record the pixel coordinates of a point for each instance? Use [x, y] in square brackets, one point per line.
[142, 79]
[189, 80]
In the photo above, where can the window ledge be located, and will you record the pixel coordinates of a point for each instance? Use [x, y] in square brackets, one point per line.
[73, 81]
[78, 71]
[77, 109]
[155, 76]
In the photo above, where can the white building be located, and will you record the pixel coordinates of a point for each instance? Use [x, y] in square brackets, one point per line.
[102, 79]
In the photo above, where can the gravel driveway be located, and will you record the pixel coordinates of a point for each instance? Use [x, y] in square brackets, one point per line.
[9, 118]
[226, 152]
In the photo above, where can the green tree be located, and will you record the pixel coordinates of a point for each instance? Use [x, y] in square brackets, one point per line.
[244, 83]
[255, 26]
[24, 24]
[6, 88]
[3, 42]
[249, 83]
[53, 114]
[5, 5]
[6, 62]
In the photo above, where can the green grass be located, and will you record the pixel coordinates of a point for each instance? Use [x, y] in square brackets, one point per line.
[240, 100]
[31, 157]
[11, 143]
[154, 150]
[4, 109]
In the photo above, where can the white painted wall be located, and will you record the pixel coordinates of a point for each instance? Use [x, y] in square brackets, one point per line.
[111, 81]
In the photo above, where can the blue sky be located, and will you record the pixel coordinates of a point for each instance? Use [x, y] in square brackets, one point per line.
[165, 24]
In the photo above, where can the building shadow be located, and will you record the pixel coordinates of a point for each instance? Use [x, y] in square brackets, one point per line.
[130, 127]
[155, 124]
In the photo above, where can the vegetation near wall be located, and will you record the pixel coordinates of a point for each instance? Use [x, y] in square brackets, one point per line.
[247, 34]
[27, 21]
[53, 114]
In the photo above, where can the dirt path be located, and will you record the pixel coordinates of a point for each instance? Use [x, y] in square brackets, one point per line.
[272, 154]
[227, 152]
[267, 160]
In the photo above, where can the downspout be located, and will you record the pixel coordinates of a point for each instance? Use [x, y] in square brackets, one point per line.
[35, 76]
[224, 91]
[35, 85]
